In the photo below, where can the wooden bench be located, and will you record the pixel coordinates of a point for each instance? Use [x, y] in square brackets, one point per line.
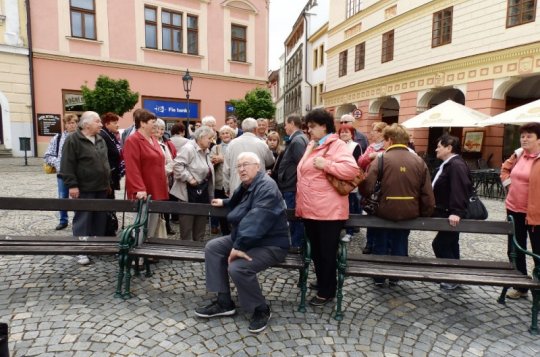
[469, 272]
[134, 245]
[66, 244]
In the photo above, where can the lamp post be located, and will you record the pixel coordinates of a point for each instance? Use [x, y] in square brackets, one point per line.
[187, 80]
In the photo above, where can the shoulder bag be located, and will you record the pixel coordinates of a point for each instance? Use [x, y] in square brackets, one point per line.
[370, 204]
[344, 187]
[476, 208]
[49, 169]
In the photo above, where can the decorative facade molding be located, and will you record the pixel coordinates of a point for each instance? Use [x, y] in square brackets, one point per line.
[241, 5]
[500, 64]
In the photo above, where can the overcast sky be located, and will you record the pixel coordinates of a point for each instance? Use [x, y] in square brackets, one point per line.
[283, 14]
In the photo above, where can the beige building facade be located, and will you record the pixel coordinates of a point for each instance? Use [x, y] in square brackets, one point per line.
[393, 59]
[15, 98]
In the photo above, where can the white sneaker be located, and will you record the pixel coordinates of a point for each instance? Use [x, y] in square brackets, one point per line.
[346, 238]
[83, 259]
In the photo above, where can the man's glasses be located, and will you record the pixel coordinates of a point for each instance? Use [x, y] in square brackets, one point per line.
[244, 165]
[345, 122]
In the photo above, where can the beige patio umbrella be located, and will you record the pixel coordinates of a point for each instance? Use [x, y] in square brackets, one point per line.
[447, 114]
[521, 115]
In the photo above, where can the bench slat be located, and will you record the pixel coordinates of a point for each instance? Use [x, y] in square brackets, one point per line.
[55, 204]
[60, 250]
[430, 261]
[53, 239]
[472, 277]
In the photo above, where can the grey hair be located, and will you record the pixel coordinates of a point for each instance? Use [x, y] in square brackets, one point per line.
[227, 129]
[347, 117]
[208, 119]
[249, 155]
[86, 118]
[160, 123]
[203, 131]
[249, 125]
[260, 120]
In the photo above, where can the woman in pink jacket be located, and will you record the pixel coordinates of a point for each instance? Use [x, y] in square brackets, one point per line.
[324, 210]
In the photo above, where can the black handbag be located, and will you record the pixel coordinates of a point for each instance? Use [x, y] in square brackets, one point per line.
[111, 225]
[370, 204]
[198, 193]
[476, 208]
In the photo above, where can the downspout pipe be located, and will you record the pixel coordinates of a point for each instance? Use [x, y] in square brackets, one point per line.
[306, 60]
[31, 70]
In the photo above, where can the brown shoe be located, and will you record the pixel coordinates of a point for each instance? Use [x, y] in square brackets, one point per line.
[516, 294]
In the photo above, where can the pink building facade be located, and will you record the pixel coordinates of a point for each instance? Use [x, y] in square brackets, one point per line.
[224, 44]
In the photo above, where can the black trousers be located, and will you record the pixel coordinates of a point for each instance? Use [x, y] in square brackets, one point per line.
[324, 237]
[521, 230]
[446, 245]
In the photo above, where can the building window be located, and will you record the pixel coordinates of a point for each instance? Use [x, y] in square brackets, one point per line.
[319, 99]
[353, 6]
[321, 53]
[315, 58]
[83, 19]
[171, 31]
[193, 35]
[359, 56]
[520, 12]
[343, 63]
[238, 43]
[150, 26]
[442, 28]
[387, 46]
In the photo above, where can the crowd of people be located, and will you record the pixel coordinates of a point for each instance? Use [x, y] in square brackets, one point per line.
[257, 173]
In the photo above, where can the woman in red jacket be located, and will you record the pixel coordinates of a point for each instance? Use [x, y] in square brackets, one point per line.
[145, 165]
[324, 210]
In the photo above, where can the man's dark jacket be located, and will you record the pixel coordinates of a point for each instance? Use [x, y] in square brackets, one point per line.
[258, 215]
[84, 164]
[291, 157]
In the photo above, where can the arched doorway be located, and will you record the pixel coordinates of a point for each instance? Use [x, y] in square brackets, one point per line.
[523, 92]
[390, 111]
[344, 109]
[437, 98]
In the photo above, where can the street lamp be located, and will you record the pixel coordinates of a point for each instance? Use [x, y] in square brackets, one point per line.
[187, 80]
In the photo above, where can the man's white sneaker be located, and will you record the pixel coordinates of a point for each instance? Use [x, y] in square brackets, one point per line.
[83, 259]
[346, 238]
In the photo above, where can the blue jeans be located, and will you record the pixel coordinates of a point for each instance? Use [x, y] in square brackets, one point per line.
[296, 227]
[63, 192]
[391, 242]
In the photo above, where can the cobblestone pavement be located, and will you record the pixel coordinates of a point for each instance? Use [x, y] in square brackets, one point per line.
[57, 308]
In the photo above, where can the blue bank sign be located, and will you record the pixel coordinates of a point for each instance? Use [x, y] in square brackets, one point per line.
[172, 108]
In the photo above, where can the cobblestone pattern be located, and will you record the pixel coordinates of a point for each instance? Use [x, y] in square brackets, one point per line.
[57, 308]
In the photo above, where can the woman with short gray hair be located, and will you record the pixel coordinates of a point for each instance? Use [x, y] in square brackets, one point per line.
[194, 181]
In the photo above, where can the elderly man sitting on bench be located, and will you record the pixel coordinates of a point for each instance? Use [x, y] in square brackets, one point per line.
[259, 239]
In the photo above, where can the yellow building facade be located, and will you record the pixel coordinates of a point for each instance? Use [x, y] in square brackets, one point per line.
[15, 97]
[393, 59]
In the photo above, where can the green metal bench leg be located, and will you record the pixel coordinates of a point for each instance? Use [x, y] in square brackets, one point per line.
[121, 269]
[535, 306]
[304, 273]
[341, 268]
[147, 266]
[502, 297]
[127, 293]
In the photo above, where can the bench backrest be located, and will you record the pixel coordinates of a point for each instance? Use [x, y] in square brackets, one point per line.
[56, 204]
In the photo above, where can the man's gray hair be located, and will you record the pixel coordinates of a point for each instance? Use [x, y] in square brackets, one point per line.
[249, 155]
[86, 118]
[208, 120]
[160, 123]
[249, 125]
[347, 117]
[260, 120]
[202, 132]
